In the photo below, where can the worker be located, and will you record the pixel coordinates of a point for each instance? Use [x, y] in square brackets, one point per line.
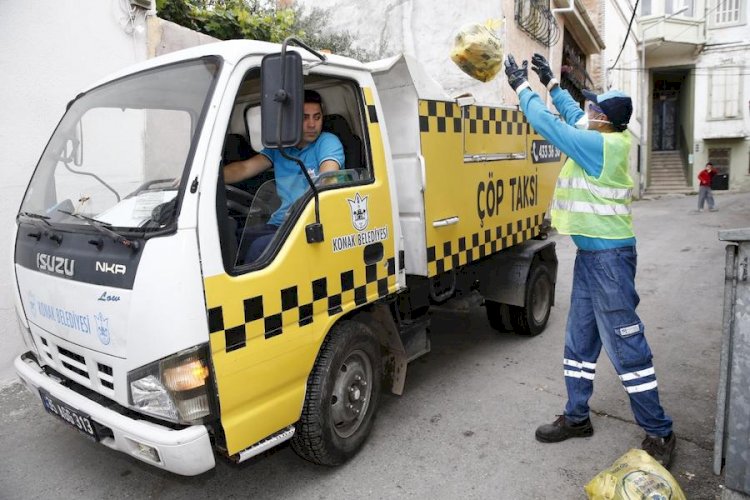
[592, 204]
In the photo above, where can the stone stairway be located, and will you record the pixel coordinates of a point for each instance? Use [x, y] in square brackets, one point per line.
[667, 174]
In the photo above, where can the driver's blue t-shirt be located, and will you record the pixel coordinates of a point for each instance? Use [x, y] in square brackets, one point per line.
[290, 181]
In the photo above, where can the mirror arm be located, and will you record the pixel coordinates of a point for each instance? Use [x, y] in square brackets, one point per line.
[302, 44]
[315, 234]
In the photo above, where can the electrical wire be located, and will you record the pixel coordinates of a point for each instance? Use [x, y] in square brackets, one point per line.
[630, 24]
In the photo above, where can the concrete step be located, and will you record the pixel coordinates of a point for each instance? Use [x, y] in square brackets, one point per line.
[675, 166]
[662, 193]
[654, 190]
[670, 178]
[665, 172]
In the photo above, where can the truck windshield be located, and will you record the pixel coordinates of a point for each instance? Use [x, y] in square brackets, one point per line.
[119, 153]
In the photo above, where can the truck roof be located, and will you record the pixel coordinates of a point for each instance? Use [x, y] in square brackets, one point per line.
[231, 51]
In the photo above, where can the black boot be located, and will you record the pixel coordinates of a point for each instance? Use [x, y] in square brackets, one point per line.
[561, 429]
[661, 448]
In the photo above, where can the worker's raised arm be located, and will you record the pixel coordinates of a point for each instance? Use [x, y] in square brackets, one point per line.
[565, 104]
[568, 107]
[240, 170]
[584, 146]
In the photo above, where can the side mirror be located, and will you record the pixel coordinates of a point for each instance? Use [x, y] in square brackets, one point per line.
[282, 99]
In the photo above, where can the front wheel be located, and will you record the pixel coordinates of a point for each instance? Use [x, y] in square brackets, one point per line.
[531, 318]
[342, 396]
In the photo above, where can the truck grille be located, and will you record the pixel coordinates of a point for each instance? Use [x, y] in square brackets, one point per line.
[91, 373]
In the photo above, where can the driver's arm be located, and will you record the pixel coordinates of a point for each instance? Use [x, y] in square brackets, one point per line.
[329, 166]
[240, 170]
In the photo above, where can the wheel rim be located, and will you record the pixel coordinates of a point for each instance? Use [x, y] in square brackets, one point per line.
[540, 299]
[352, 389]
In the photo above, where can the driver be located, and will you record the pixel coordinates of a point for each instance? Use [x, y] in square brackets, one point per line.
[319, 151]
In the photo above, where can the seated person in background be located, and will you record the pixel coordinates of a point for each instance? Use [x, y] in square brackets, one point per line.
[319, 151]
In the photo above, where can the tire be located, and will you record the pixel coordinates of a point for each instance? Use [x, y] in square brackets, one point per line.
[531, 319]
[342, 396]
[497, 315]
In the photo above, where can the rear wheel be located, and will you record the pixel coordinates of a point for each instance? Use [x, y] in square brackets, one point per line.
[342, 396]
[531, 319]
[498, 315]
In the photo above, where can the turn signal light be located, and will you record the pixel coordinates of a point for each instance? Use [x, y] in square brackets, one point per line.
[189, 375]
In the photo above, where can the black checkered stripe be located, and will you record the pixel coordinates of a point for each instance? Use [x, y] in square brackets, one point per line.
[322, 290]
[445, 117]
[452, 254]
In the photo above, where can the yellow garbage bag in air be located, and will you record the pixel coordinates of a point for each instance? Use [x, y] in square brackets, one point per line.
[478, 51]
[634, 476]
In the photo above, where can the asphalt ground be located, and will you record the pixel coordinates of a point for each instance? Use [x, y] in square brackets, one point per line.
[464, 427]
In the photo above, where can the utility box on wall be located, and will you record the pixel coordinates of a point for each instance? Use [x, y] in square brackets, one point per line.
[720, 182]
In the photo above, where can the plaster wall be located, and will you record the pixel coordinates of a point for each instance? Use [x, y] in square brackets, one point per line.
[726, 48]
[421, 29]
[51, 50]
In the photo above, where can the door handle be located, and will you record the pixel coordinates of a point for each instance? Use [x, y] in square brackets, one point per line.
[445, 222]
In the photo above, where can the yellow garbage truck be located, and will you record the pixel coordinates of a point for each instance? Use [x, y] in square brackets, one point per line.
[148, 329]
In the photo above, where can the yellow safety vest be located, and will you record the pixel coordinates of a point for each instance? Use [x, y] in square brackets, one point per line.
[597, 207]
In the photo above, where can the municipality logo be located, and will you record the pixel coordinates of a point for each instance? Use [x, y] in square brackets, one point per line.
[32, 305]
[102, 328]
[358, 207]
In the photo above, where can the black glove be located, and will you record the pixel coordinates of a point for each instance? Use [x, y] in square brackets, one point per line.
[516, 76]
[540, 66]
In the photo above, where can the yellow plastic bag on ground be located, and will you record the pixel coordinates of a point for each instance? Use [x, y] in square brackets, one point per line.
[478, 51]
[634, 476]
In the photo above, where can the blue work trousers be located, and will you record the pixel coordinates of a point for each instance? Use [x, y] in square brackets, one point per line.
[602, 312]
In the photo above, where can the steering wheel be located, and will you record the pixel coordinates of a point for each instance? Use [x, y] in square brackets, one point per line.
[238, 200]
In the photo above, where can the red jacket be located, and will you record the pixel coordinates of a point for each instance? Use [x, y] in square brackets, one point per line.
[705, 176]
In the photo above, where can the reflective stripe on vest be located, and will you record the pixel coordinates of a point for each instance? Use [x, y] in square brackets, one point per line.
[591, 208]
[602, 192]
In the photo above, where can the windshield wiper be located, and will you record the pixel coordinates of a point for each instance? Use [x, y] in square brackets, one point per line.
[40, 217]
[104, 228]
[47, 229]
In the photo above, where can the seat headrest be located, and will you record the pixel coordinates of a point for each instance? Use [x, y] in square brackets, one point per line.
[236, 148]
[334, 123]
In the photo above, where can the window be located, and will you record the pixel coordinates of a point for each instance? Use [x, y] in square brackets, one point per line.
[720, 158]
[256, 213]
[646, 7]
[673, 6]
[724, 93]
[727, 12]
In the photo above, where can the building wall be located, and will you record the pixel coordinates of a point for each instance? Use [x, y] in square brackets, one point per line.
[729, 48]
[418, 28]
[51, 49]
[726, 47]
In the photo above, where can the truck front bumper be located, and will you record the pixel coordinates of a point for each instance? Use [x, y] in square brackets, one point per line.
[187, 451]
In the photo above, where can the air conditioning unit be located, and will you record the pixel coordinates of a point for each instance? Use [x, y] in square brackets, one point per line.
[144, 4]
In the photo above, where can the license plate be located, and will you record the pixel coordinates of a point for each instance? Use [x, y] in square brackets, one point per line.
[75, 418]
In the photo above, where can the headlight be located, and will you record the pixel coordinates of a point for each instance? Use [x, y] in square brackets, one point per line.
[177, 388]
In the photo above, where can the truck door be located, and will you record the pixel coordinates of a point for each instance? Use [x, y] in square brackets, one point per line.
[269, 313]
